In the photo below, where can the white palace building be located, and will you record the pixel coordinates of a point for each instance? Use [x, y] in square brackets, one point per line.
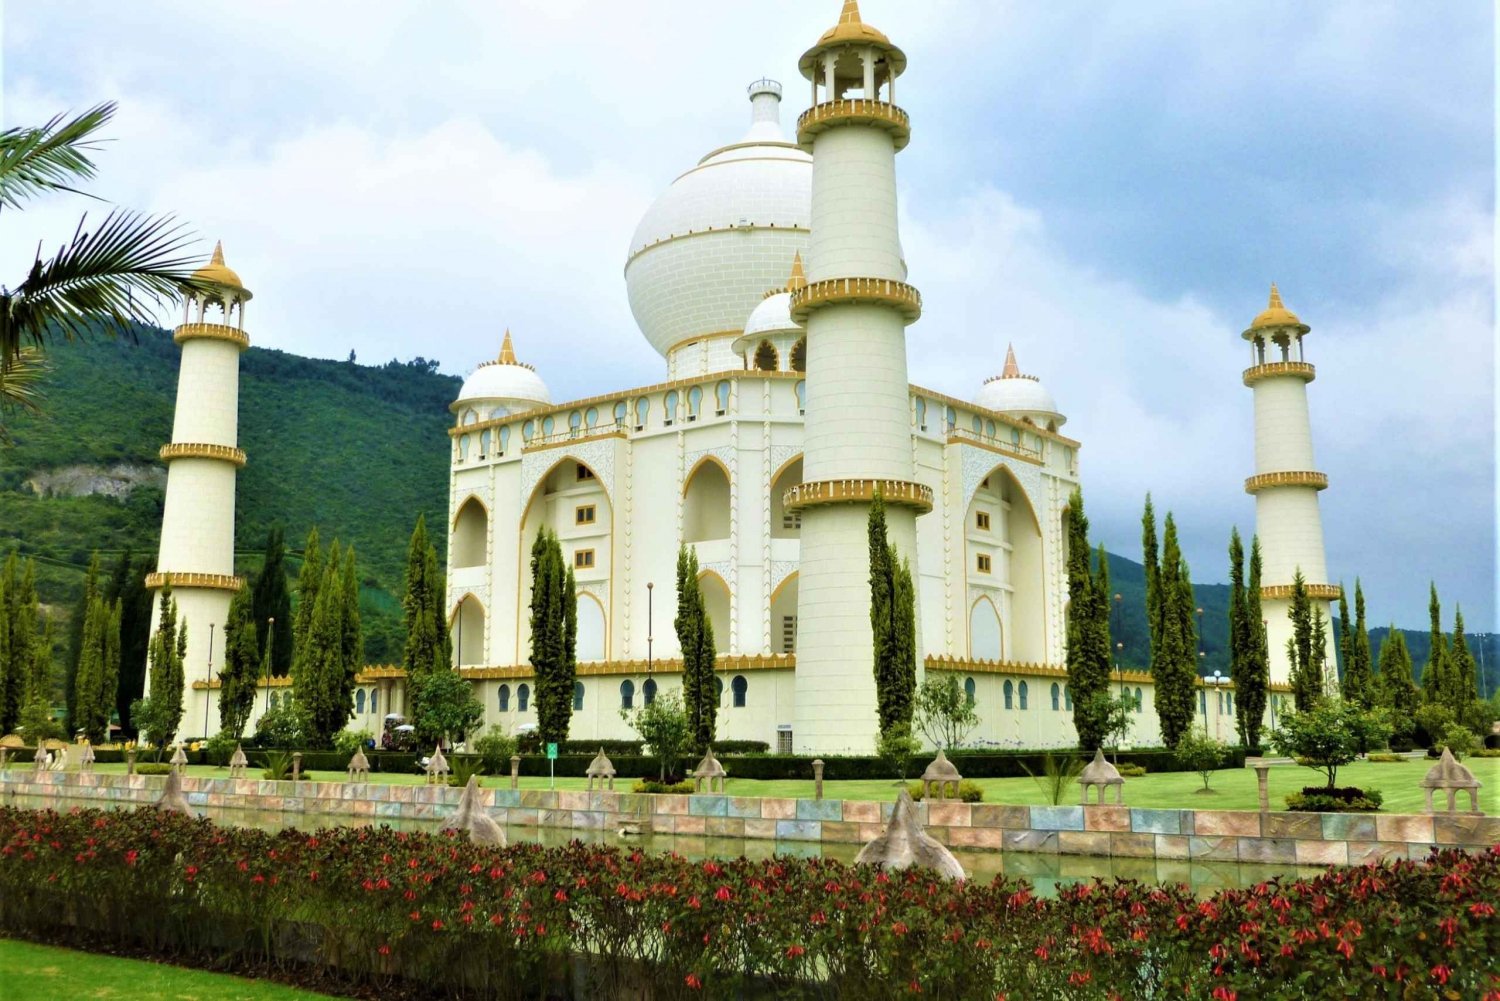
[770, 277]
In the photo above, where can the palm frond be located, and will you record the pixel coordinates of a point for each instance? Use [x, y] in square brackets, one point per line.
[48, 158]
[120, 274]
[20, 390]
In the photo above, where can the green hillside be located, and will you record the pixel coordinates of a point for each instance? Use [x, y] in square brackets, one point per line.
[355, 449]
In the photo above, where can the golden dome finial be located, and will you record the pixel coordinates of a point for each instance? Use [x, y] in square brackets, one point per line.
[1275, 302]
[1276, 315]
[798, 278]
[216, 272]
[1011, 370]
[850, 13]
[218, 257]
[507, 350]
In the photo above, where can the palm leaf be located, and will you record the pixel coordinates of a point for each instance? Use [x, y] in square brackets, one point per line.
[120, 274]
[48, 158]
[19, 386]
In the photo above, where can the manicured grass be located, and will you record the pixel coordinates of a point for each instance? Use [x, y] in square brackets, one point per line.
[42, 972]
[1233, 789]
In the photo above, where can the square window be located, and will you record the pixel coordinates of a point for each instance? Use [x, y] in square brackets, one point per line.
[982, 520]
[983, 563]
[584, 514]
[583, 559]
[584, 472]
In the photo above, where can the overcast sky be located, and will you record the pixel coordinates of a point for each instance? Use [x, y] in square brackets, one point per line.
[1110, 186]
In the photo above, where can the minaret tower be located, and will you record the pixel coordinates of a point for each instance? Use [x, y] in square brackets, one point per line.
[197, 524]
[1285, 483]
[856, 306]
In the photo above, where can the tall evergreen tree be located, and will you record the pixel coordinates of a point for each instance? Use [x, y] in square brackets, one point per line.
[1152, 568]
[1306, 672]
[1359, 679]
[1320, 666]
[308, 581]
[1398, 691]
[163, 708]
[1463, 672]
[77, 623]
[1345, 647]
[1253, 681]
[892, 624]
[97, 669]
[353, 645]
[18, 609]
[240, 677]
[1433, 680]
[554, 602]
[695, 637]
[135, 635]
[324, 680]
[426, 648]
[1239, 626]
[272, 600]
[1174, 659]
[1087, 630]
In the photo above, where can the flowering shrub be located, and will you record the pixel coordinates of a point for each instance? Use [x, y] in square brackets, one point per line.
[378, 905]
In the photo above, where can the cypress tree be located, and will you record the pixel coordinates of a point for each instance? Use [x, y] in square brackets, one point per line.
[695, 637]
[309, 579]
[892, 624]
[1435, 685]
[1345, 647]
[1239, 626]
[17, 638]
[9, 711]
[320, 657]
[553, 603]
[167, 651]
[1252, 683]
[242, 666]
[1359, 680]
[1319, 659]
[426, 647]
[1398, 691]
[1174, 664]
[1306, 673]
[135, 636]
[1464, 674]
[87, 713]
[271, 599]
[1087, 630]
[1153, 572]
[77, 623]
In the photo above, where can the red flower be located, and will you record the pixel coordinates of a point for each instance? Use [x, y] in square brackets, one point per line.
[437, 925]
[1441, 973]
[384, 950]
[1224, 994]
[1079, 978]
[560, 896]
[723, 893]
[793, 951]
[131, 856]
[694, 982]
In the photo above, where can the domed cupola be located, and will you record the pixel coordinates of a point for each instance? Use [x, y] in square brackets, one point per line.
[709, 247]
[1017, 395]
[500, 387]
[772, 339]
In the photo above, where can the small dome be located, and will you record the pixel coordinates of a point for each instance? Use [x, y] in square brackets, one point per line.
[219, 273]
[1019, 395]
[774, 313]
[1275, 315]
[504, 379]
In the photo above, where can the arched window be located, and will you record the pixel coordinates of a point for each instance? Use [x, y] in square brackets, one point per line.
[484, 443]
[470, 532]
[374, 700]
[989, 429]
[1008, 690]
[1068, 698]
[577, 695]
[470, 417]
[642, 411]
[1056, 694]
[950, 418]
[695, 403]
[766, 358]
[548, 423]
[670, 405]
[523, 696]
[504, 438]
[621, 410]
[976, 425]
[799, 355]
[921, 413]
[718, 689]
[801, 396]
[575, 421]
[359, 701]
[1138, 700]
[1015, 436]
[527, 430]
[648, 691]
[502, 699]
[463, 448]
[721, 397]
[1229, 700]
[1203, 701]
[627, 694]
[739, 686]
[969, 690]
[1024, 693]
[273, 700]
[591, 416]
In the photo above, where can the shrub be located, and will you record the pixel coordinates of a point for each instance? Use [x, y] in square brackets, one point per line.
[463, 769]
[278, 765]
[1198, 752]
[1460, 740]
[217, 750]
[663, 788]
[152, 768]
[1385, 758]
[495, 749]
[1130, 771]
[1057, 775]
[281, 726]
[1487, 752]
[1340, 799]
[664, 725]
[968, 792]
[895, 749]
[1330, 735]
[346, 742]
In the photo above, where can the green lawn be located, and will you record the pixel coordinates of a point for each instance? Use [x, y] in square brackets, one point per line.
[1233, 789]
[43, 972]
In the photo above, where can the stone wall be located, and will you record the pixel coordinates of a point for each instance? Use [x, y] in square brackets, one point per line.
[1124, 831]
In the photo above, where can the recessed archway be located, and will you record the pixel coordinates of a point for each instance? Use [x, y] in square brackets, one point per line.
[718, 605]
[470, 533]
[572, 501]
[466, 631]
[705, 502]
[1003, 556]
[784, 616]
[785, 524]
[986, 635]
[591, 629]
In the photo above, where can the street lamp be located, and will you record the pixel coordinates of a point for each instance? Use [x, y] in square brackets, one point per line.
[650, 588]
[1218, 681]
[1119, 644]
[270, 638]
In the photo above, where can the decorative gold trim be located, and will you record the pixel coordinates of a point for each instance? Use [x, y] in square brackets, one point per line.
[195, 450]
[959, 436]
[971, 665]
[818, 493]
[722, 665]
[854, 111]
[1008, 421]
[211, 331]
[1271, 369]
[876, 291]
[212, 581]
[1286, 478]
[1327, 592]
[541, 443]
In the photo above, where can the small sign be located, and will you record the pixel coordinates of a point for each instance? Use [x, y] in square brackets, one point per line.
[551, 752]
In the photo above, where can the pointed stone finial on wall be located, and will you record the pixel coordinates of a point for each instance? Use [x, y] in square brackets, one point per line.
[471, 818]
[905, 844]
[172, 799]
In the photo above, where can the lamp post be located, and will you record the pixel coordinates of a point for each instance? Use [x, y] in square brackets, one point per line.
[650, 588]
[1218, 682]
[208, 680]
[270, 638]
[1119, 644]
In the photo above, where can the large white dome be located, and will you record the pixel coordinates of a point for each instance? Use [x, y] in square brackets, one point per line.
[503, 384]
[723, 234]
[1019, 395]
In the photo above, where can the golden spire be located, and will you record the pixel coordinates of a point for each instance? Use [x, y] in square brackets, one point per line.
[218, 257]
[1275, 302]
[219, 273]
[507, 350]
[1012, 370]
[1276, 314]
[799, 277]
[850, 13]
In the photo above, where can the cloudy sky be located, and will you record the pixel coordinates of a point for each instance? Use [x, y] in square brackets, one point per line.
[1110, 186]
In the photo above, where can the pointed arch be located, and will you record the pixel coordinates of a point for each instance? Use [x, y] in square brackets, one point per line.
[799, 355]
[785, 524]
[1004, 553]
[705, 501]
[470, 533]
[783, 607]
[719, 604]
[767, 359]
[568, 485]
[986, 630]
[466, 630]
[593, 632]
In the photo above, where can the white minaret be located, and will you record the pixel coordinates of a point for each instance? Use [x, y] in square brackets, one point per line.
[856, 306]
[197, 523]
[1286, 482]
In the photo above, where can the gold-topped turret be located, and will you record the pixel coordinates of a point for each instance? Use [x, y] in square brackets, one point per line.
[219, 273]
[1275, 315]
[851, 28]
[851, 31]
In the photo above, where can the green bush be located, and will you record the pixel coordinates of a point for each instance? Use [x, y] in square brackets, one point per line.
[968, 792]
[495, 749]
[1460, 740]
[216, 750]
[663, 788]
[1198, 752]
[1339, 799]
[1487, 752]
[1130, 771]
[1383, 758]
[346, 742]
[152, 768]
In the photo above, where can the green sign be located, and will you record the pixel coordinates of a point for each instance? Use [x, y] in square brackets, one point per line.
[551, 752]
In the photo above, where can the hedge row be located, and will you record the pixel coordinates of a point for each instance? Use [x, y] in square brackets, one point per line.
[385, 910]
